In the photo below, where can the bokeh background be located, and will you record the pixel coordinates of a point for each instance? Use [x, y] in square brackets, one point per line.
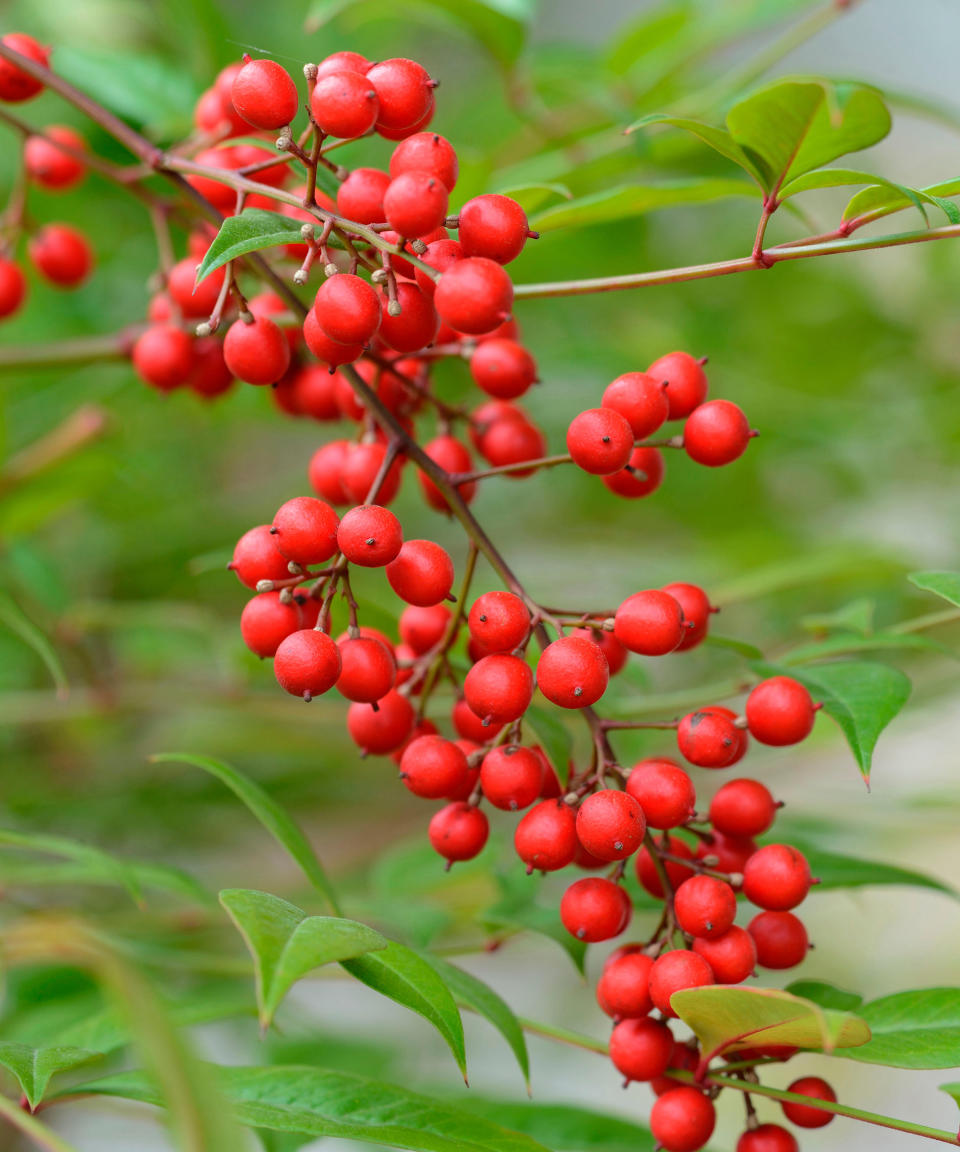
[849, 366]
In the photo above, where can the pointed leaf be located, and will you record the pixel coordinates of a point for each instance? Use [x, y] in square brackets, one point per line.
[564, 1127]
[952, 1090]
[841, 178]
[398, 972]
[719, 139]
[631, 200]
[850, 645]
[945, 584]
[835, 870]
[84, 854]
[883, 200]
[33, 1067]
[252, 230]
[917, 1029]
[825, 995]
[286, 943]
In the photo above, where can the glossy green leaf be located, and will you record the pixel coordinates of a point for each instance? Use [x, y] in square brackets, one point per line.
[726, 1018]
[534, 195]
[945, 584]
[480, 997]
[741, 647]
[252, 230]
[825, 995]
[553, 736]
[16, 621]
[286, 943]
[719, 139]
[857, 616]
[631, 200]
[883, 200]
[850, 645]
[952, 1090]
[274, 818]
[917, 1029]
[34, 1067]
[399, 973]
[564, 1127]
[841, 178]
[835, 870]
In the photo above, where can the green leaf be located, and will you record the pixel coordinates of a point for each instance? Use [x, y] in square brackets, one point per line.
[750, 651]
[835, 870]
[918, 1029]
[33, 1067]
[534, 195]
[840, 178]
[253, 229]
[15, 619]
[286, 943]
[553, 736]
[885, 199]
[945, 584]
[84, 854]
[825, 995]
[399, 973]
[274, 818]
[718, 139]
[952, 1090]
[481, 998]
[857, 616]
[564, 1127]
[726, 1018]
[630, 200]
[851, 645]
[862, 698]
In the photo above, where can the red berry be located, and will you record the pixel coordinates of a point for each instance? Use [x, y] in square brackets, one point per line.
[368, 669]
[572, 672]
[264, 94]
[426, 152]
[258, 352]
[13, 287]
[512, 441]
[716, 433]
[415, 203]
[511, 776]
[195, 301]
[640, 399]
[649, 622]
[776, 877]
[266, 622]
[306, 530]
[768, 1138]
[474, 295]
[343, 62]
[683, 1058]
[362, 465]
[685, 379]
[423, 628]
[647, 872]
[781, 939]
[432, 767]
[61, 255]
[493, 226]
[502, 368]
[415, 326]
[705, 906]
[743, 808]
[600, 441]
[709, 738]
[610, 825]
[459, 831]
[546, 838]
[641, 1048]
[163, 357]
[623, 991]
[452, 456]
[728, 853]
[675, 971]
[49, 166]
[360, 196]
[500, 621]
[608, 644]
[642, 475]
[307, 663]
[15, 84]
[347, 309]
[405, 92]
[323, 347]
[370, 536]
[379, 732]
[416, 127]
[682, 1120]
[422, 573]
[802, 1114]
[732, 956]
[595, 909]
[220, 195]
[499, 687]
[470, 726]
[664, 791]
[780, 711]
[344, 104]
[256, 558]
[696, 613]
[326, 469]
[210, 376]
[440, 254]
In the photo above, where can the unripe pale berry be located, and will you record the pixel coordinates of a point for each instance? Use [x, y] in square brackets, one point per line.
[650, 623]
[546, 837]
[780, 938]
[572, 672]
[600, 441]
[776, 877]
[264, 94]
[682, 1120]
[306, 530]
[716, 433]
[370, 536]
[610, 824]
[422, 573]
[459, 831]
[802, 1114]
[595, 909]
[307, 663]
[499, 687]
[685, 379]
[664, 791]
[780, 711]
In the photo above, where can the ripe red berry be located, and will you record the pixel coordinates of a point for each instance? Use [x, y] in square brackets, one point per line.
[195, 301]
[343, 62]
[546, 837]
[452, 456]
[649, 622]
[802, 1114]
[307, 663]
[163, 357]
[440, 254]
[743, 807]
[220, 195]
[432, 767]
[781, 939]
[368, 669]
[608, 644]
[415, 326]
[499, 687]
[600, 441]
[728, 853]
[709, 738]
[266, 621]
[674, 971]
[344, 104]
[61, 255]
[696, 613]
[768, 1138]
[776, 877]
[572, 672]
[306, 530]
[210, 376]
[511, 776]
[685, 379]
[325, 349]
[474, 295]
[360, 196]
[513, 441]
[415, 203]
[426, 152]
[595, 909]
[664, 791]
[493, 226]
[258, 353]
[642, 475]
[405, 92]
[610, 824]
[503, 368]
[362, 465]
[684, 1058]
[641, 399]
[647, 872]
[705, 906]
[347, 309]
[423, 628]
[382, 730]
[459, 831]
[623, 990]
[422, 573]
[370, 536]
[732, 956]
[256, 558]
[264, 94]
[15, 84]
[641, 1048]
[13, 287]
[780, 711]
[682, 1120]
[49, 166]
[499, 621]
[716, 433]
[325, 471]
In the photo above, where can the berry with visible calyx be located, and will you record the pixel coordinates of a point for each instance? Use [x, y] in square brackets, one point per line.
[705, 906]
[743, 807]
[344, 104]
[500, 621]
[696, 613]
[453, 456]
[266, 621]
[716, 433]
[415, 203]
[423, 628]
[474, 295]
[647, 872]
[499, 687]
[803, 1115]
[546, 837]
[307, 663]
[415, 325]
[767, 1138]
[511, 776]
[13, 287]
[623, 990]
[780, 938]
[600, 441]
[732, 956]
[49, 166]
[493, 226]
[595, 909]
[642, 474]
[368, 669]
[641, 1048]
[325, 471]
[426, 152]
[780, 711]
[641, 399]
[256, 558]
[609, 645]
[305, 530]
[572, 672]
[664, 791]
[370, 536]
[360, 196]
[258, 353]
[610, 824]
[776, 878]
[163, 357]
[404, 90]
[16, 85]
[459, 831]
[683, 1119]
[264, 94]
[195, 301]
[382, 730]
[675, 971]
[362, 464]
[686, 382]
[502, 368]
[470, 726]
[422, 573]
[650, 623]
[433, 767]
[347, 309]
[61, 255]
[710, 738]
[728, 853]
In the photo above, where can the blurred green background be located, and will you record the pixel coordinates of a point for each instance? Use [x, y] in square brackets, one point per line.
[848, 366]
